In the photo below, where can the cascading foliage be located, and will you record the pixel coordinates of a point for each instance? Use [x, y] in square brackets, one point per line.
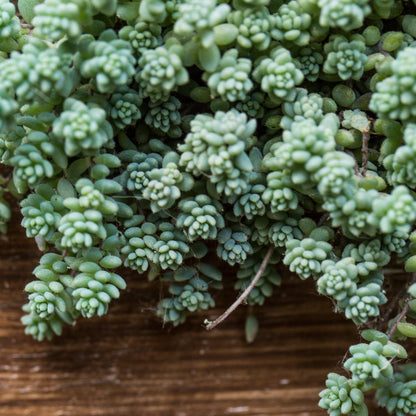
[150, 133]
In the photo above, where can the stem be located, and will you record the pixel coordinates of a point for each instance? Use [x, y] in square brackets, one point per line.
[388, 271]
[356, 167]
[211, 325]
[323, 219]
[381, 50]
[399, 318]
[404, 310]
[366, 138]
[393, 304]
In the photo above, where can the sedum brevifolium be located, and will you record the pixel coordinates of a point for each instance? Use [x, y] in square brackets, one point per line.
[157, 134]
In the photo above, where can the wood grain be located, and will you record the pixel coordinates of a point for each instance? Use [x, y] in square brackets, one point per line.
[126, 363]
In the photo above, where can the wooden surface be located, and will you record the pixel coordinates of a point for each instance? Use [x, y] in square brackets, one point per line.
[127, 364]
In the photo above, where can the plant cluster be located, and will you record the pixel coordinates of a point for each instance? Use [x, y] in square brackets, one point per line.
[146, 133]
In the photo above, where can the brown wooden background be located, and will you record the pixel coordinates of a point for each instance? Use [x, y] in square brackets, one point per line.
[127, 364]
